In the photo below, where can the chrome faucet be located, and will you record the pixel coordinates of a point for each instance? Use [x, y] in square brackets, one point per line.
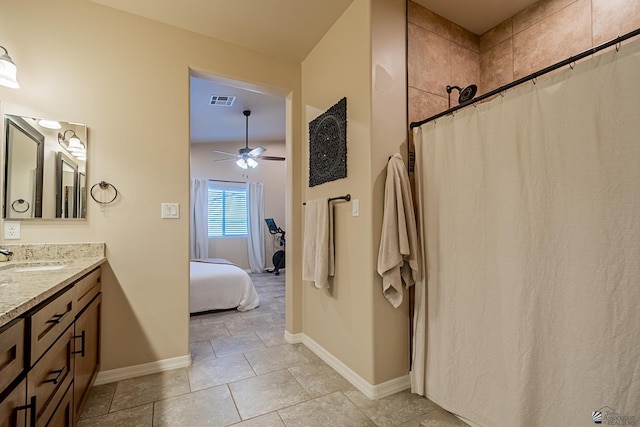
[7, 254]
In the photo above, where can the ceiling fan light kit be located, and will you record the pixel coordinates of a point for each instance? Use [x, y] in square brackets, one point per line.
[247, 157]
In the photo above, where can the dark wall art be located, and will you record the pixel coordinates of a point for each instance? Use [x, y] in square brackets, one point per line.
[328, 145]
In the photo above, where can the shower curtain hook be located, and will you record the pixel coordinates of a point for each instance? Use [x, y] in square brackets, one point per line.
[618, 45]
[534, 80]
[571, 65]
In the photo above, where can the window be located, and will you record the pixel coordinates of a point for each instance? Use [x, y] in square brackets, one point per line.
[227, 211]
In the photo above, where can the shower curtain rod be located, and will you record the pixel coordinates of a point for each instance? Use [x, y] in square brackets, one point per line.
[531, 76]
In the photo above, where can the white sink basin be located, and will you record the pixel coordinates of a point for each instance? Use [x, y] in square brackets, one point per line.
[37, 268]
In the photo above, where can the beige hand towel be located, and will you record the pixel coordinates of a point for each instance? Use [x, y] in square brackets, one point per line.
[399, 245]
[318, 250]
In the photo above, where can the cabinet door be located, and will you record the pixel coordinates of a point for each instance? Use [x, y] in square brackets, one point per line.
[10, 414]
[87, 354]
[63, 416]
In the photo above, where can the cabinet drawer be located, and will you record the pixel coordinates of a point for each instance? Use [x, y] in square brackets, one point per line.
[48, 323]
[87, 288]
[50, 378]
[11, 352]
[12, 409]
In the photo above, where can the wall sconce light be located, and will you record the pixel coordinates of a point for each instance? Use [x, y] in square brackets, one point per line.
[72, 144]
[50, 124]
[8, 71]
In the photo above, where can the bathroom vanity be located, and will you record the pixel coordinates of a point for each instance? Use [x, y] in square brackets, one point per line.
[49, 334]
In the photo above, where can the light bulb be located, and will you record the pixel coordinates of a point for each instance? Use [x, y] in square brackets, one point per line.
[242, 163]
[49, 124]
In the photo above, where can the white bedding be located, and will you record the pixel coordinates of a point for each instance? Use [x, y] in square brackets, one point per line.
[220, 286]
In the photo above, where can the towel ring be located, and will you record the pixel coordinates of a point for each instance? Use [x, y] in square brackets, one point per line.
[20, 202]
[103, 186]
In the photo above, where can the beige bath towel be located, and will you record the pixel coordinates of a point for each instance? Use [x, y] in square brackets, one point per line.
[318, 250]
[399, 246]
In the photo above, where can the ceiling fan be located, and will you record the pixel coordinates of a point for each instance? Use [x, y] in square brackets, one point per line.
[247, 157]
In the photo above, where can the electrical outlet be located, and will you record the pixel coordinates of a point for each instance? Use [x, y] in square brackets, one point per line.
[11, 230]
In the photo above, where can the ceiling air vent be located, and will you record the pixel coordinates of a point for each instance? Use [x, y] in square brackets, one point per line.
[222, 100]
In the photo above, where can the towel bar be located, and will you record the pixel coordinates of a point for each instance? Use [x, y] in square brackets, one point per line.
[346, 197]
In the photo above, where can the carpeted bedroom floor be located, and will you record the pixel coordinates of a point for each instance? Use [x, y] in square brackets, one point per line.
[244, 373]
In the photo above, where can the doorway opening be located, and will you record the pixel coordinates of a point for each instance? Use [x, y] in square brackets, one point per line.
[222, 135]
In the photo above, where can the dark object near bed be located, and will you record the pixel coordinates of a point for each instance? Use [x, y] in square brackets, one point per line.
[278, 256]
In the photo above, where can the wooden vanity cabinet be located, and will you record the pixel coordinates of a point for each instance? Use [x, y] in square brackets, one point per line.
[49, 357]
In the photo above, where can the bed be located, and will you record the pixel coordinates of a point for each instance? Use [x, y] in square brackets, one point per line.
[217, 284]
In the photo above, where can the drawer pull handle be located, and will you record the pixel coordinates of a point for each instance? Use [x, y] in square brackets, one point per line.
[56, 318]
[57, 378]
[32, 409]
[81, 352]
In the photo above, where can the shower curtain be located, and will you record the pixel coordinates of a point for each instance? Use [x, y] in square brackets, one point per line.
[529, 209]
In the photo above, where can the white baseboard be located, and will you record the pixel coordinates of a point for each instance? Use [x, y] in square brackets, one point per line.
[293, 338]
[119, 374]
[373, 392]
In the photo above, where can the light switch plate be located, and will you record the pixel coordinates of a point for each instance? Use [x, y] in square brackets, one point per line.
[170, 210]
[11, 230]
[355, 207]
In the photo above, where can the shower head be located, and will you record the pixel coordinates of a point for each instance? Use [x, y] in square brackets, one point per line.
[466, 94]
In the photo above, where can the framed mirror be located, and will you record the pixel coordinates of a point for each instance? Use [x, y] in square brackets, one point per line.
[45, 169]
[24, 158]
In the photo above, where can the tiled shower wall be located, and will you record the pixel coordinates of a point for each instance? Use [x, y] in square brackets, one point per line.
[440, 53]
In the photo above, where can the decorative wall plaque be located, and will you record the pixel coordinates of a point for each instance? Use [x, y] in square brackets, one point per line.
[328, 145]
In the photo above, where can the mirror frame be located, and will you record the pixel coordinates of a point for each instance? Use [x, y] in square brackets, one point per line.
[19, 124]
[62, 160]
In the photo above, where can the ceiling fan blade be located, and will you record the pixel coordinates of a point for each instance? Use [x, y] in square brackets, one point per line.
[225, 160]
[225, 152]
[256, 152]
[280, 159]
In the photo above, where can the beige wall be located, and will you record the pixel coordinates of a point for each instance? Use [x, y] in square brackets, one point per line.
[271, 173]
[388, 136]
[365, 64]
[78, 61]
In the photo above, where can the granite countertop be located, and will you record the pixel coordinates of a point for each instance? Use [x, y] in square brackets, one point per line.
[23, 290]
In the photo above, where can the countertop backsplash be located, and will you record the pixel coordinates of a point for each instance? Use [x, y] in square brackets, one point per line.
[54, 251]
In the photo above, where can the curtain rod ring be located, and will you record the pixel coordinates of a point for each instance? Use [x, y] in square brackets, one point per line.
[618, 45]
[572, 65]
[103, 186]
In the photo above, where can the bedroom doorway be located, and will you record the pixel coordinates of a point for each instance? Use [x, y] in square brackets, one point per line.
[220, 129]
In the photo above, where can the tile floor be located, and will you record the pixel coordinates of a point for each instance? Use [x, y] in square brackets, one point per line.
[245, 374]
